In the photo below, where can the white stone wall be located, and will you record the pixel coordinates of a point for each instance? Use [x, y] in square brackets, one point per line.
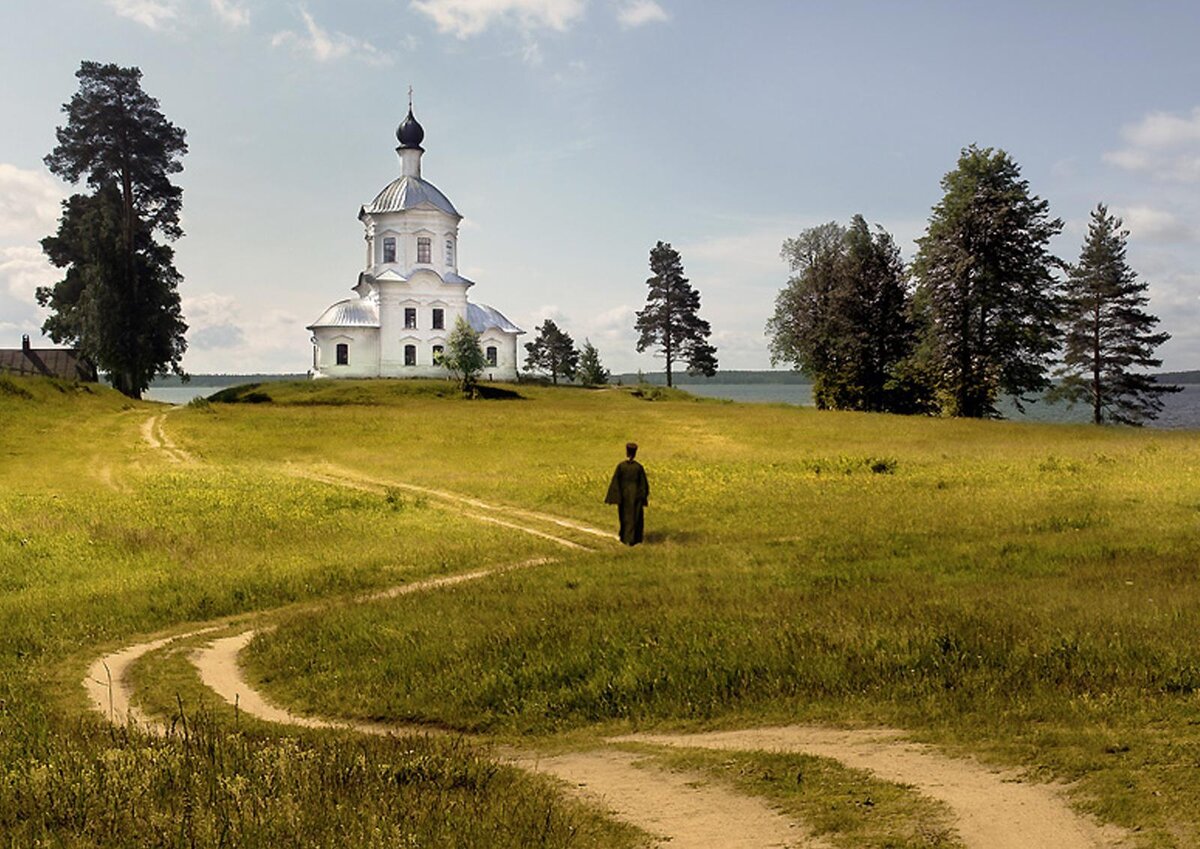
[363, 351]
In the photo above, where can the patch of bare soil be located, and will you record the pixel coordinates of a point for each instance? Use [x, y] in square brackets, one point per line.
[993, 809]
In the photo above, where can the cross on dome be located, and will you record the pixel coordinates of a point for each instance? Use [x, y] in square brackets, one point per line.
[410, 134]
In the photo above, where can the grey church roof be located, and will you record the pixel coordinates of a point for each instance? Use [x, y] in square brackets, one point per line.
[409, 193]
[481, 317]
[352, 312]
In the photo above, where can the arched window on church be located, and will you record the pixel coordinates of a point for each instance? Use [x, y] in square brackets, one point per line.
[490, 353]
[410, 355]
[424, 249]
[343, 354]
[439, 354]
[450, 253]
[389, 249]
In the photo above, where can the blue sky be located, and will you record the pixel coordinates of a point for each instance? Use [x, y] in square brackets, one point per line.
[574, 134]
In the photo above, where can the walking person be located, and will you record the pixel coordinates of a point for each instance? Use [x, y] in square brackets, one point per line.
[630, 491]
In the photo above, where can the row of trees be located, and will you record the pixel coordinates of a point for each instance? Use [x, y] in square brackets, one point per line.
[553, 352]
[986, 316]
[670, 323]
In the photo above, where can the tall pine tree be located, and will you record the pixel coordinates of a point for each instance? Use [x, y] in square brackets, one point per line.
[119, 300]
[670, 321]
[986, 293]
[1108, 333]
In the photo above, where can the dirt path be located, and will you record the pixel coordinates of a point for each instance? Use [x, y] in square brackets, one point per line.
[109, 691]
[993, 809]
[155, 436]
[680, 810]
[346, 477]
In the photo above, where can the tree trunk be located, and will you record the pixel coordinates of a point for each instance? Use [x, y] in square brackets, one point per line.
[1097, 413]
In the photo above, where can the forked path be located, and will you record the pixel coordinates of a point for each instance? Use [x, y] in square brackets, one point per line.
[992, 809]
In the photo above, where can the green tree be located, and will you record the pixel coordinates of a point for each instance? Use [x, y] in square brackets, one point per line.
[670, 321]
[591, 371]
[553, 352]
[118, 301]
[463, 357]
[1107, 331]
[843, 317]
[986, 294]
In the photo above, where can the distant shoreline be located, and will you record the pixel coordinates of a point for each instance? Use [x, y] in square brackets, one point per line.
[657, 378]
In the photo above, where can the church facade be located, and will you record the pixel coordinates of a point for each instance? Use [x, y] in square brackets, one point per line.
[410, 294]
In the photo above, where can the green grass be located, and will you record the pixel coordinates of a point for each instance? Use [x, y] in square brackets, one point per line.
[103, 541]
[1026, 594]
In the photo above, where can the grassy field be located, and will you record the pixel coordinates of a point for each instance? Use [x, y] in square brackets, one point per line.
[1027, 594]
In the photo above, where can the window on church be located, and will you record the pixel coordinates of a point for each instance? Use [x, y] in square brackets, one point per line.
[410, 318]
[424, 249]
[439, 318]
[343, 354]
[410, 355]
[449, 253]
[389, 249]
[490, 353]
[439, 354]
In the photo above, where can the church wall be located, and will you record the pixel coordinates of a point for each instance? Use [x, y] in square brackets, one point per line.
[506, 354]
[363, 351]
[422, 293]
[406, 227]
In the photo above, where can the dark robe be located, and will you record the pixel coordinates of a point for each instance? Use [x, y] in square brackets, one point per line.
[630, 491]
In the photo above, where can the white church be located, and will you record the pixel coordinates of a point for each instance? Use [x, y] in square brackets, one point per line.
[410, 293]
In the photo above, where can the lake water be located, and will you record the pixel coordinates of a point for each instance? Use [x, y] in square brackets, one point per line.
[1181, 410]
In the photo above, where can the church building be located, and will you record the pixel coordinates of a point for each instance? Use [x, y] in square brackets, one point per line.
[410, 293]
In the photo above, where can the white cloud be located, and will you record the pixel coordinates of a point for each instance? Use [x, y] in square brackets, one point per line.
[552, 312]
[154, 14]
[636, 13]
[231, 14]
[1163, 144]
[1155, 225]
[325, 46]
[465, 18]
[30, 203]
[22, 270]
[224, 335]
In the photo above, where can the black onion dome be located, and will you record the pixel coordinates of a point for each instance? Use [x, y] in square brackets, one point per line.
[410, 133]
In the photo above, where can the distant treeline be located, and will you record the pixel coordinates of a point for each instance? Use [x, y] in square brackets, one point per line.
[1178, 376]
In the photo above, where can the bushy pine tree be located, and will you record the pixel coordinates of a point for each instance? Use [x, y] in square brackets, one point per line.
[118, 301]
[1108, 332]
[591, 371]
[843, 317]
[552, 352]
[670, 321]
[986, 293]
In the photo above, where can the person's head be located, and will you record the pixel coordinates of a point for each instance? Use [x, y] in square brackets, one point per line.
[630, 450]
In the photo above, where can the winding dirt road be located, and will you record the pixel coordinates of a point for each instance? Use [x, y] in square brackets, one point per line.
[992, 809]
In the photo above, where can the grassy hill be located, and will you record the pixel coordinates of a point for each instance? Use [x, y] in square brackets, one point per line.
[1025, 594]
